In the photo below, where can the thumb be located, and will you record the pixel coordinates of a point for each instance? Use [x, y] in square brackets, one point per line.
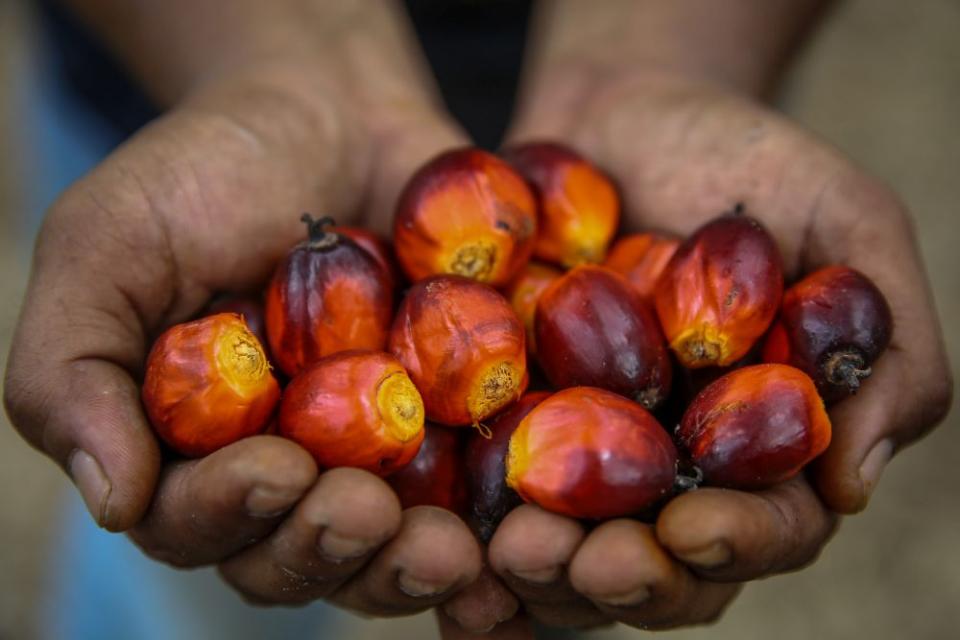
[69, 386]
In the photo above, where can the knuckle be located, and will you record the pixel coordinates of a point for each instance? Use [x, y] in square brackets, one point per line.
[176, 558]
[712, 615]
[261, 595]
[867, 208]
[14, 402]
[23, 403]
[937, 397]
[873, 195]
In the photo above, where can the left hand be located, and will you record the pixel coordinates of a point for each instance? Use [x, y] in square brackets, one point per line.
[684, 150]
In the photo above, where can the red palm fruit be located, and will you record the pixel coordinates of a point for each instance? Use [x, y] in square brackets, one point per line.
[468, 213]
[833, 325]
[378, 248]
[490, 497]
[641, 259]
[579, 206]
[208, 384]
[436, 476]
[463, 346]
[354, 409]
[720, 291]
[594, 330]
[327, 295]
[589, 453]
[755, 427]
[524, 292]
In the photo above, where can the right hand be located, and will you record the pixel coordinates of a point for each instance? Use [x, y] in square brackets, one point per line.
[204, 200]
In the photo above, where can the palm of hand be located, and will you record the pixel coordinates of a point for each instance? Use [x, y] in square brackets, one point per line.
[683, 152]
[207, 199]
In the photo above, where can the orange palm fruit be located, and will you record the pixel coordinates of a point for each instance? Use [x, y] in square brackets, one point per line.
[354, 409]
[524, 292]
[641, 259]
[467, 213]
[578, 204]
[208, 384]
[589, 453]
[250, 309]
[463, 346]
[720, 291]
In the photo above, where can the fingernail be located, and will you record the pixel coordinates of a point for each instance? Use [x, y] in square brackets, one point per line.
[450, 609]
[873, 466]
[479, 632]
[710, 557]
[340, 548]
[629, 599]
[268, 502]
[416, 588]
[468, 615]
[538, 576]
[92, 483]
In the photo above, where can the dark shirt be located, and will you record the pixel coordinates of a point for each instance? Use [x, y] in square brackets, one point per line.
[474, 46]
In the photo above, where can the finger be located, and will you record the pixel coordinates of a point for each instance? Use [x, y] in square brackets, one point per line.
[624, 571]
[331, 534]
[910, 390]
[731, 536]
[205, 510]
[531, 551]
[432, 557]
[517, 628]
[481, 606]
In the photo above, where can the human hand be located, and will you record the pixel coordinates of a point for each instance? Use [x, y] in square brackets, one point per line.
[684, 149]
[207, 199]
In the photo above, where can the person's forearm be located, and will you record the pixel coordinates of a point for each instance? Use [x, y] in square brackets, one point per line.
[738, 43]
[173, 46]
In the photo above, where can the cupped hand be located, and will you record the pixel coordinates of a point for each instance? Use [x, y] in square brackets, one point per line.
[682, 152]
[206, 200]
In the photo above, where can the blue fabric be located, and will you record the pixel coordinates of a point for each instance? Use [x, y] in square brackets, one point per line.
[100, 586]
[103, 588]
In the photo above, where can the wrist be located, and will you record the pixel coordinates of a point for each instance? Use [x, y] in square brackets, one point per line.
[178, 48]
[741, 47]
[581, 97]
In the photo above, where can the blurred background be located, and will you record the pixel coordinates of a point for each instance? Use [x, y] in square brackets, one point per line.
[882, 81]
